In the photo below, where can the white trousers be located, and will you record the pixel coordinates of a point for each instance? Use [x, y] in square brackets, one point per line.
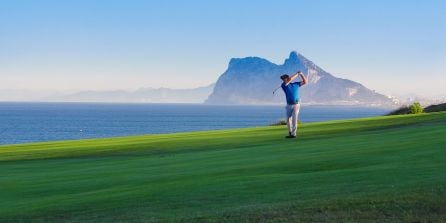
[292, 111]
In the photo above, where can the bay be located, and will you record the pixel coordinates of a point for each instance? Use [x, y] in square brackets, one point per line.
[22, 122]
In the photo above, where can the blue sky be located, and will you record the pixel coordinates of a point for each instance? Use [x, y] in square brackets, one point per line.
[391, 46]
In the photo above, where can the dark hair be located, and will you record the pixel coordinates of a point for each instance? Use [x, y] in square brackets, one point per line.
[285, 76]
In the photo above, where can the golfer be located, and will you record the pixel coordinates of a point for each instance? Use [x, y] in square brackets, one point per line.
[291, 90]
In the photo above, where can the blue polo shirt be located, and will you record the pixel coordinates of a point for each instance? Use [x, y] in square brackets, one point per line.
[291, 92]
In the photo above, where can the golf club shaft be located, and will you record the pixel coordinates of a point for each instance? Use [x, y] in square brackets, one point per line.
[276, 90]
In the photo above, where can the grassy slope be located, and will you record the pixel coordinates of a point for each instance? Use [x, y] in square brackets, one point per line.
[375, 169]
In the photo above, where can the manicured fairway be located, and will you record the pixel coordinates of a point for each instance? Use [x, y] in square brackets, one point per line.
[383, 169]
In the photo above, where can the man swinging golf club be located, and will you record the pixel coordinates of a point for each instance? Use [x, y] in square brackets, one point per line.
[291, 90]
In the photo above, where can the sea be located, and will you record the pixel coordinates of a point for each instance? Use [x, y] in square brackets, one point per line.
[22, 122]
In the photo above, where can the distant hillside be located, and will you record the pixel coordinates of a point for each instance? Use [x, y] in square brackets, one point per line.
[435, 108]
[149, 95]
[251, 80]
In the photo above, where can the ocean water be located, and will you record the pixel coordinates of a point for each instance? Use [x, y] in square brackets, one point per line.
[35, 122]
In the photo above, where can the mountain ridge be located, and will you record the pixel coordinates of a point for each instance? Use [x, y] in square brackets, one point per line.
[140, 95]
[143, 95]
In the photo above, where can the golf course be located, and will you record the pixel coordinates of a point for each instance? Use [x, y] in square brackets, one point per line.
[379, 169]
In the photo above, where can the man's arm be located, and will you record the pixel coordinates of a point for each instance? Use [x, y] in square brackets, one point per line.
[294, 76]
[304, 79]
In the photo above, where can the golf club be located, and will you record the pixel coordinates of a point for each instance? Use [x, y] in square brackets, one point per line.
[276, 90]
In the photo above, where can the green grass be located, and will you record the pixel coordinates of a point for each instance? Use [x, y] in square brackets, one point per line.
[382, 169]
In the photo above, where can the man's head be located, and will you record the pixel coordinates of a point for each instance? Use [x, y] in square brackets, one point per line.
[285, 78]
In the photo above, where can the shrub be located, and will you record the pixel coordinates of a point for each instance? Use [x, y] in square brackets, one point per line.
[415, 108]
[280, 122]
[283, 122]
